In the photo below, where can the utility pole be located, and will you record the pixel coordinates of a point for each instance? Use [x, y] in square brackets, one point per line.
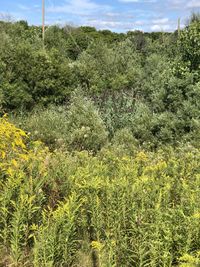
[43, 21]
[179, 26]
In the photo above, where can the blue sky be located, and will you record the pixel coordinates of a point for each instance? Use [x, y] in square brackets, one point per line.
[116, 15]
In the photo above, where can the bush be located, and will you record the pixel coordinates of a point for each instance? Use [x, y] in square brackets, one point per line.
[124, 138]
[47, 125]
[86, 130]
[79, 127]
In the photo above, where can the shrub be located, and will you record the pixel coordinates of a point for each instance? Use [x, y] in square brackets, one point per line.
[47, 125]
[125, 139]
[86, 130]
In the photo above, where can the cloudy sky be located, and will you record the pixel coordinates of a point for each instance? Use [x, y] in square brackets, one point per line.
[116, 15]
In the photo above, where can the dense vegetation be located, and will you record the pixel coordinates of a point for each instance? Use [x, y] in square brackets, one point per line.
[147, 83]
[99, 150]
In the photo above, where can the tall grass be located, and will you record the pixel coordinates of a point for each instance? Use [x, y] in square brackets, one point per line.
[108, 210]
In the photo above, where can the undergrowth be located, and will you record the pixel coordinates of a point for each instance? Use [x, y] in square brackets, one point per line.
[112, 209]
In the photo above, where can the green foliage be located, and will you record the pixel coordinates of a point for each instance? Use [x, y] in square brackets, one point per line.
[145, 82]
[47, 125]
[32, 75]
[124, 138]
[195, 17]
[156, 76]
[102, 70]
[141, 122]
[22, 99]
[189, 43]
[86, 130]
[50, 77]
[189, 260]
[79, 127]
[111, 209]
[56, 241]
[117, 187]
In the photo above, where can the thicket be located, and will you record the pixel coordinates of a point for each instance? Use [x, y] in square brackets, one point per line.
[145, 82]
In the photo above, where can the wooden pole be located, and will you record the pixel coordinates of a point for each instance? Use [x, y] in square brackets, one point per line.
[179, 26]
[43, 21]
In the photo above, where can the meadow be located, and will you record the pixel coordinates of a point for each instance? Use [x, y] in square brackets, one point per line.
[99, 147]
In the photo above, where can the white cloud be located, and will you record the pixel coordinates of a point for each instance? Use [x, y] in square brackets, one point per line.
[193, 4]
[6, 16]
[105, 24]
[129, 1]
[158, 27]
[183, 4]
[117, 16]
[160, 21]
[160, 24]
[112, 25]
[105, 16]
[11, 16]
[77, 7]
[23, 7]
[140, 22]
[112, 14]
[177, 3]
[138, 1]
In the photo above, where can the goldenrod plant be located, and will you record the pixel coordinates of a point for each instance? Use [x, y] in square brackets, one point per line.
[114, 208]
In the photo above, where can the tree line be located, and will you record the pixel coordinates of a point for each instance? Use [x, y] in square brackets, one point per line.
[143, 83]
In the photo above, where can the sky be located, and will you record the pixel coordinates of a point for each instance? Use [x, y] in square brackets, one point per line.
[115, 15]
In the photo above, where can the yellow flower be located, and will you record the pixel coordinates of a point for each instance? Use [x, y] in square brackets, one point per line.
[141, 156]
[14, 163]
[196, 215]
[96, 245]
[3, 154]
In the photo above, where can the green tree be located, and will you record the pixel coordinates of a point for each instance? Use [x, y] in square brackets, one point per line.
[189, 43]
[104, 70]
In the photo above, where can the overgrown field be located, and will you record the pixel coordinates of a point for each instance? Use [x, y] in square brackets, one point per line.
[116, 208]
[99, 150]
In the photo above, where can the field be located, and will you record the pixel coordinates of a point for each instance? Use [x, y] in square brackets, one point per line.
[99, 147]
